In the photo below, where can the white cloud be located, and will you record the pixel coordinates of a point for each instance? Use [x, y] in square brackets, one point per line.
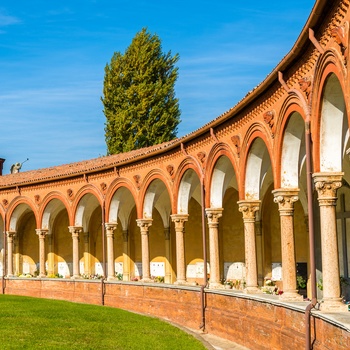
[6, 20]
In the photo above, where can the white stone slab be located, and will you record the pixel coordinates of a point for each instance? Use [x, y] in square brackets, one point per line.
[191, 271]
[234, 270]
[157, 269]
[118, 266]
[63, 269]
[200, 269]
[26, 267]
[1, 269]
[99, 269]
[276, 272]
[81, 267]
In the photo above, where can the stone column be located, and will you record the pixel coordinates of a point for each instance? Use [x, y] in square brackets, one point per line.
[87, 268]
[248, 208]
[75, 231]
[327, 185]
[167, 277]
[179, 221]
[144, 225]
[41, 234]
[110, 228]
[126, 258]
[285, 198]
[10, 237]
[213, 216]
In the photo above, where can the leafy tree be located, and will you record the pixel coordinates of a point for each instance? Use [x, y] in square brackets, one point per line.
[139, 98]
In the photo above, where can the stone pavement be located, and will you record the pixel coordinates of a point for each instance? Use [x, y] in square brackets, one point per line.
[212, 342]
[220, 343]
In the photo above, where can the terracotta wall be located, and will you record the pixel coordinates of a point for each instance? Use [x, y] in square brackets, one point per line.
[242, 319]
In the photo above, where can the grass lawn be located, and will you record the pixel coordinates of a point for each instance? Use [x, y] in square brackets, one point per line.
[31, 323]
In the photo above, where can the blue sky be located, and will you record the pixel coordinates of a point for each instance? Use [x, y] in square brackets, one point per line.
[53, 54]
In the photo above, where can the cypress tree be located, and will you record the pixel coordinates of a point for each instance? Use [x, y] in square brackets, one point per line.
[139, 97]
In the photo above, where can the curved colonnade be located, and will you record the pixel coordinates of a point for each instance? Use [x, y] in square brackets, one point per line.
[230, 201]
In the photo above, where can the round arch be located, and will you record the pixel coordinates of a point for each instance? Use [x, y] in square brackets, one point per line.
[249, 187]
[329, 113]
[17, 208]
[258, 169]
[86, 202]
[186, 184]
[52, 204]
[221, 174]
[121, 206]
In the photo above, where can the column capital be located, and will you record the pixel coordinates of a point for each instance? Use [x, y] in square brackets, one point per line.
[75, 230]
[11, 234]
[111, 226]
[285, 198]
[179, 220]
[248, 208]
[41, 232]
[213, 215]
[144, 225]
[327, 185]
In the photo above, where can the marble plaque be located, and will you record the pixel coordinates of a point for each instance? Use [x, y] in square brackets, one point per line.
[200, 269]
[63, 269]
[1, 270]
[99, 269]
[276, 272]
[26, 267]
[118, 266]
[234, 270]
[191, 271]
[157, 269]
[81, 267]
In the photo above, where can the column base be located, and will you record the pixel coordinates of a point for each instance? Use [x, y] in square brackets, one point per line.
[146, 280]
[216, 285]
[333, 305]
[76, 277]
[111, 278]
[42, 275]
[181, 282]
[252, 290]
[291, 296]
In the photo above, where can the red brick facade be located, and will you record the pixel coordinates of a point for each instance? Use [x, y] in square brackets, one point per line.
[235, 194]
